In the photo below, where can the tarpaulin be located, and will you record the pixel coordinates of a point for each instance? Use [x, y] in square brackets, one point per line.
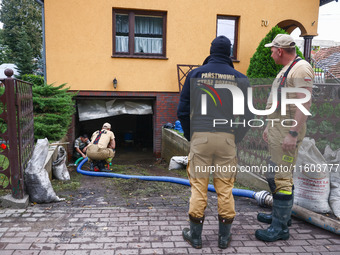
[96, 109]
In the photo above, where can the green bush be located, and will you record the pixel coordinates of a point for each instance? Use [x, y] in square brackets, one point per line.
[37, 80]
[262, 66]
[53, 108]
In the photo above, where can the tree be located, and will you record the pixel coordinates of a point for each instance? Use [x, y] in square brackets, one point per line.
[4, 50]
[21, 27]
[52, 107]
[40, 65]
[261, 64]
[24, 59]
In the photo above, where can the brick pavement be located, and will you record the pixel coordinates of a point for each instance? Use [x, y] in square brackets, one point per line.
[42, 230]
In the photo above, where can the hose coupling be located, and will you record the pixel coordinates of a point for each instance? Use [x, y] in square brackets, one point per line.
[264, 198]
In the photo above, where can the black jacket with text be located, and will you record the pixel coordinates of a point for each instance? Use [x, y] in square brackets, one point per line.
[206, 101]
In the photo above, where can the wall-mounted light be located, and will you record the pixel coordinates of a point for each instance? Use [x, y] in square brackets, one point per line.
[115, 83]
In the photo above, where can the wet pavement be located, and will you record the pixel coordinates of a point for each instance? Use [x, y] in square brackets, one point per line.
[155, 228]
[111, 216]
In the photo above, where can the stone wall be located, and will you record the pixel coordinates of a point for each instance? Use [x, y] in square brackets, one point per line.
[173, 144]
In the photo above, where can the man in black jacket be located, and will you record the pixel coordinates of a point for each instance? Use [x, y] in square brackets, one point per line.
[206, 111]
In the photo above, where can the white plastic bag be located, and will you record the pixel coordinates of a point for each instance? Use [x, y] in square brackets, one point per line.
[311, 178]
[59, 168]
[333, 159]
[38, 185]
[178, 162]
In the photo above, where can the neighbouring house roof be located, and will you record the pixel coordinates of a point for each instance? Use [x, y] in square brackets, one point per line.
[323, 2]
[3, 67]
[329, 59]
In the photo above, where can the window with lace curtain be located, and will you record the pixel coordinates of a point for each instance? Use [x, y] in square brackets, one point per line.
[139, 33]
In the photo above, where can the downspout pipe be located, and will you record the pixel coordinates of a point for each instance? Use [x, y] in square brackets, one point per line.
[263, 198]
[43, 31]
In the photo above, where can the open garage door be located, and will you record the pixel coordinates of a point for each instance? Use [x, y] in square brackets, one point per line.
[96, 109]
[131, 121]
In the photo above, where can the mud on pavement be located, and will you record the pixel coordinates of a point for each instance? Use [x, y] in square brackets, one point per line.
[91, 191]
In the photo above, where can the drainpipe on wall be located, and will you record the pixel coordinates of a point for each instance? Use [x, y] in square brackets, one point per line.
[43, 30]
[307, 47]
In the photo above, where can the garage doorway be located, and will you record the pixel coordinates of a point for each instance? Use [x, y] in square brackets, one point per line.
[134, 132]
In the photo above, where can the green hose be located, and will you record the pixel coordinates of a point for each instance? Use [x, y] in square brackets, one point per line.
[78, 160]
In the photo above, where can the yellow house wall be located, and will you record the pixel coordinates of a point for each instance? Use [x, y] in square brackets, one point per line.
[79, 39]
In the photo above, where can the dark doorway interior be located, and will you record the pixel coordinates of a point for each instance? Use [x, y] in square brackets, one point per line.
[133, 132]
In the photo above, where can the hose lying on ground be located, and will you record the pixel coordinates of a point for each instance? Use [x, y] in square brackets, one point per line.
[236, 192]
[262, 197]
[78, 160]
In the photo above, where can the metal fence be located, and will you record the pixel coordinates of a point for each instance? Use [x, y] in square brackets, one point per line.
[323, 126]
[182, 72]
[16, 132]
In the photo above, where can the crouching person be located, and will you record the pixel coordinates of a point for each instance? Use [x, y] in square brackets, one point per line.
[102, 148]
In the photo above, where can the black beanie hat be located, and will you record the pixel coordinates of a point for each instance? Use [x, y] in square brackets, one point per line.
[220, 45]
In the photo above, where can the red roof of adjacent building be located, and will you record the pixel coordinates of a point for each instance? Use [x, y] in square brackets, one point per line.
[329, 60]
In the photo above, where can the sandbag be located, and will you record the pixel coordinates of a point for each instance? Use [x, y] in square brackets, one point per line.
[38, 185]
[311, 178]
[59, 168]
[333, 160]
[178, 162]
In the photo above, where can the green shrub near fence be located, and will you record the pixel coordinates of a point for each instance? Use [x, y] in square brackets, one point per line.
[53, 108]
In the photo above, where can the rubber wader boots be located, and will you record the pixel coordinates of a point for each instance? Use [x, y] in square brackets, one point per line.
[224, 235]
[267, 217]
[101, 165]
[278, 229]
[193, 235]
[92, 166]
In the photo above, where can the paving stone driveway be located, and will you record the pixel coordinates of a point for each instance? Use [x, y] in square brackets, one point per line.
[41, 230]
